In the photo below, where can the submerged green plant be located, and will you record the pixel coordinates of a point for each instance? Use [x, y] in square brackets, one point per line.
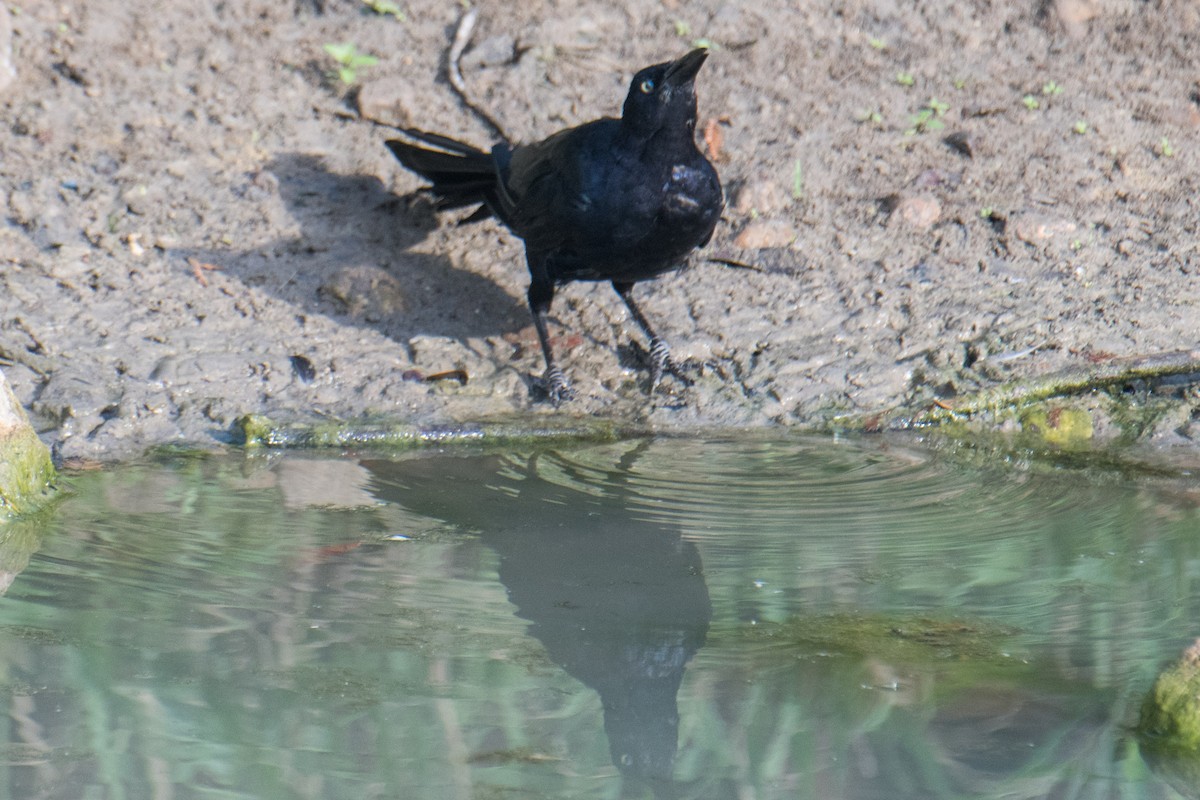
[350, 60]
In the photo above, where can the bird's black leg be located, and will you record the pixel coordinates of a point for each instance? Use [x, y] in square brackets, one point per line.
[660, 353]
[541, 294]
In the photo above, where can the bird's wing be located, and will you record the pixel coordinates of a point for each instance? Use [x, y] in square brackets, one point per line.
[552, 185]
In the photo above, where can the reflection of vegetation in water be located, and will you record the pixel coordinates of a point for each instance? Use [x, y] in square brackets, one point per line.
[914, 707]
[1079, 565]
[226, 639]
[229, 640]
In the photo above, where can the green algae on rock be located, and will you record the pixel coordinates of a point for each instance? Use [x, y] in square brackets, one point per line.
[1170, 717]
[26, 471]
[254, 430]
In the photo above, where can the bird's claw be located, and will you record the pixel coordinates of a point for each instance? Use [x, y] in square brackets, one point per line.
[555, 385]
[662, 364]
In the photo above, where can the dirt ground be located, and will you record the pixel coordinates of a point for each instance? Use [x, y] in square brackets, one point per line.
[199, 223]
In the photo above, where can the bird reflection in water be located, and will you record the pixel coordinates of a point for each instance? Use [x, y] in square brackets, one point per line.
[617, 601]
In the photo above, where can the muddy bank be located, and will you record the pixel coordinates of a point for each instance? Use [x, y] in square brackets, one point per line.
[196, 228]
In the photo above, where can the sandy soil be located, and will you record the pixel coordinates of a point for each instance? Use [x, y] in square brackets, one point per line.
[197, 225]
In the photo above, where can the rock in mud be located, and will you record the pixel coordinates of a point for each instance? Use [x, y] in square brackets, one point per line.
[1037, 229]
[919, 211]
[765, 234]
[761, 196]
[390, 102]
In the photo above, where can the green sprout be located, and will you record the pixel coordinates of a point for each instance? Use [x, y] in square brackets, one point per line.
[877, 43]
[987, 212]
[959, 83]
[797, 180]
[871, 115]
[1031, 102]
[386, 7]
[905, 78]
[928, 118]
[1165, 148]
[1051, 88]
[347, 55]
[682, 28]
[1080, 127]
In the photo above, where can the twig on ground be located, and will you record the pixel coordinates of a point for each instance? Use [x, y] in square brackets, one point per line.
[1018, 393]
[466, 26]
[198, 268]
[726, 261]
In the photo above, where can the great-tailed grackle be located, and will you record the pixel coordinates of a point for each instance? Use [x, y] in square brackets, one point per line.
[620, 200]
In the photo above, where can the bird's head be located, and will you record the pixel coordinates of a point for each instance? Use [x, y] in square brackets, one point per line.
[663, 96]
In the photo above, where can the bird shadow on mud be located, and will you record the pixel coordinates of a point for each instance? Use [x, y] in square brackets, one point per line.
[354, 262]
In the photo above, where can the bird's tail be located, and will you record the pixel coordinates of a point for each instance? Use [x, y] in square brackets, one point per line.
[461, 175]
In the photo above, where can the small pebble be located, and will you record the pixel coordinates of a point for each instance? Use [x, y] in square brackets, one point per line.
[762, 196]
[1038, 228]
[765, 234]
[920, 211]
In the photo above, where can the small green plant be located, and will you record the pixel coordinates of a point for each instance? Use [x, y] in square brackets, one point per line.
[905, 78]
[877, 43]
[706, 43]
[682, 28]
[928, 118]
[797, 180]
[350, 60]
[1165, 148]
[871, 115]
[1080, 127]
[1051, 88]
[1031, 102]
[959, 83]
[1076, 245]
[386, 7]
[987, 212]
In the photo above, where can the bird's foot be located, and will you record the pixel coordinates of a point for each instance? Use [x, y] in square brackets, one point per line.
[661, 364]
[555, 386]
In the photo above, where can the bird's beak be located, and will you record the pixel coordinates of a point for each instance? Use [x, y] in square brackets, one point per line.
[683, 71]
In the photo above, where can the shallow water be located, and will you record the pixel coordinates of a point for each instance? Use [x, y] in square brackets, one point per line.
[713, 619]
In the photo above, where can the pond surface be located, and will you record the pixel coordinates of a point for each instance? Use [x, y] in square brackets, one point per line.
[782, 618]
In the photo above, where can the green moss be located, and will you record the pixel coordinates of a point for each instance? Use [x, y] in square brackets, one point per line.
[1170, 717]
[26, 472]
[1058, 425]
[259, 431]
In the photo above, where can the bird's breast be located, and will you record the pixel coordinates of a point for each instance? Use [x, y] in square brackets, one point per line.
[691, 195]
[681, 191]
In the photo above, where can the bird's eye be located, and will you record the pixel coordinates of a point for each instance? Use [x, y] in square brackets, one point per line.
[647, 86]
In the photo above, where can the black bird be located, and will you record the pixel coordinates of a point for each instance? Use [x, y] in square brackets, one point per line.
[621, 200]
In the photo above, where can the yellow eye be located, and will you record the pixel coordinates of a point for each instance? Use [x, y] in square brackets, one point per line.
[647, 86]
